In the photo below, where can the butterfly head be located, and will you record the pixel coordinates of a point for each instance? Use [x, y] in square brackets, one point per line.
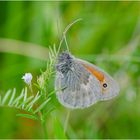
[64, 64]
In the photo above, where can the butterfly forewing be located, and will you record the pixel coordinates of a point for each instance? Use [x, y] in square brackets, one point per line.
[78, 88]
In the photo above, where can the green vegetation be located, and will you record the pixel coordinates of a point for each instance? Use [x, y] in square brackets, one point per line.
[108, 36]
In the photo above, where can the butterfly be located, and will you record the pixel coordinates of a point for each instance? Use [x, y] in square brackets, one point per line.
[80, 84]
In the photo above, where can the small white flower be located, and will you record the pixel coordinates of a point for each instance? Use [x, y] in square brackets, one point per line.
[27, 78]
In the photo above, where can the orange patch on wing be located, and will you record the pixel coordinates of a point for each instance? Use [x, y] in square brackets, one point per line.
[96, 73]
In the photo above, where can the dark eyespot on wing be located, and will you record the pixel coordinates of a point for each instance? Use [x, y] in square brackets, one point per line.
[104, 85]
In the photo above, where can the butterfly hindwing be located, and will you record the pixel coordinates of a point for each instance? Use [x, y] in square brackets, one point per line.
[112, 88]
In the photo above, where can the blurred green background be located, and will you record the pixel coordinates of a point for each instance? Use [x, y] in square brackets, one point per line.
[108, 35]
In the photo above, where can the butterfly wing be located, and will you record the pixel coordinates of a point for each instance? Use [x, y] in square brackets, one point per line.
[78, 88]
[109, 87]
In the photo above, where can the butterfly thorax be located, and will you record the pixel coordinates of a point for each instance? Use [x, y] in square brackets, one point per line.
[65, 61]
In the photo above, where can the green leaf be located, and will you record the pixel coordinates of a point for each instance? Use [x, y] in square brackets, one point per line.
[29, 106]
[51, 93]
[12, 97]
[25, 97]
[42, 105]
[6, 97]
[16, 101]
[27, 101]
[49, 110]
[29, 116]
[37, 85]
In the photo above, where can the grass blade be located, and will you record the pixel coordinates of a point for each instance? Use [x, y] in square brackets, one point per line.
[58, 129]
[0, 99]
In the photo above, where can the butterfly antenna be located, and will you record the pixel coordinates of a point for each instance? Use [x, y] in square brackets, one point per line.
[66, 43]
[64, 34]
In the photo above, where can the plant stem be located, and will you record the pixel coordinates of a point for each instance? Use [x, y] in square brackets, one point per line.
[43, 124]
[66, 121]
[44, 128]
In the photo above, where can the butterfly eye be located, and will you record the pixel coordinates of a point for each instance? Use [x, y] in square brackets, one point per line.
[105, 85]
